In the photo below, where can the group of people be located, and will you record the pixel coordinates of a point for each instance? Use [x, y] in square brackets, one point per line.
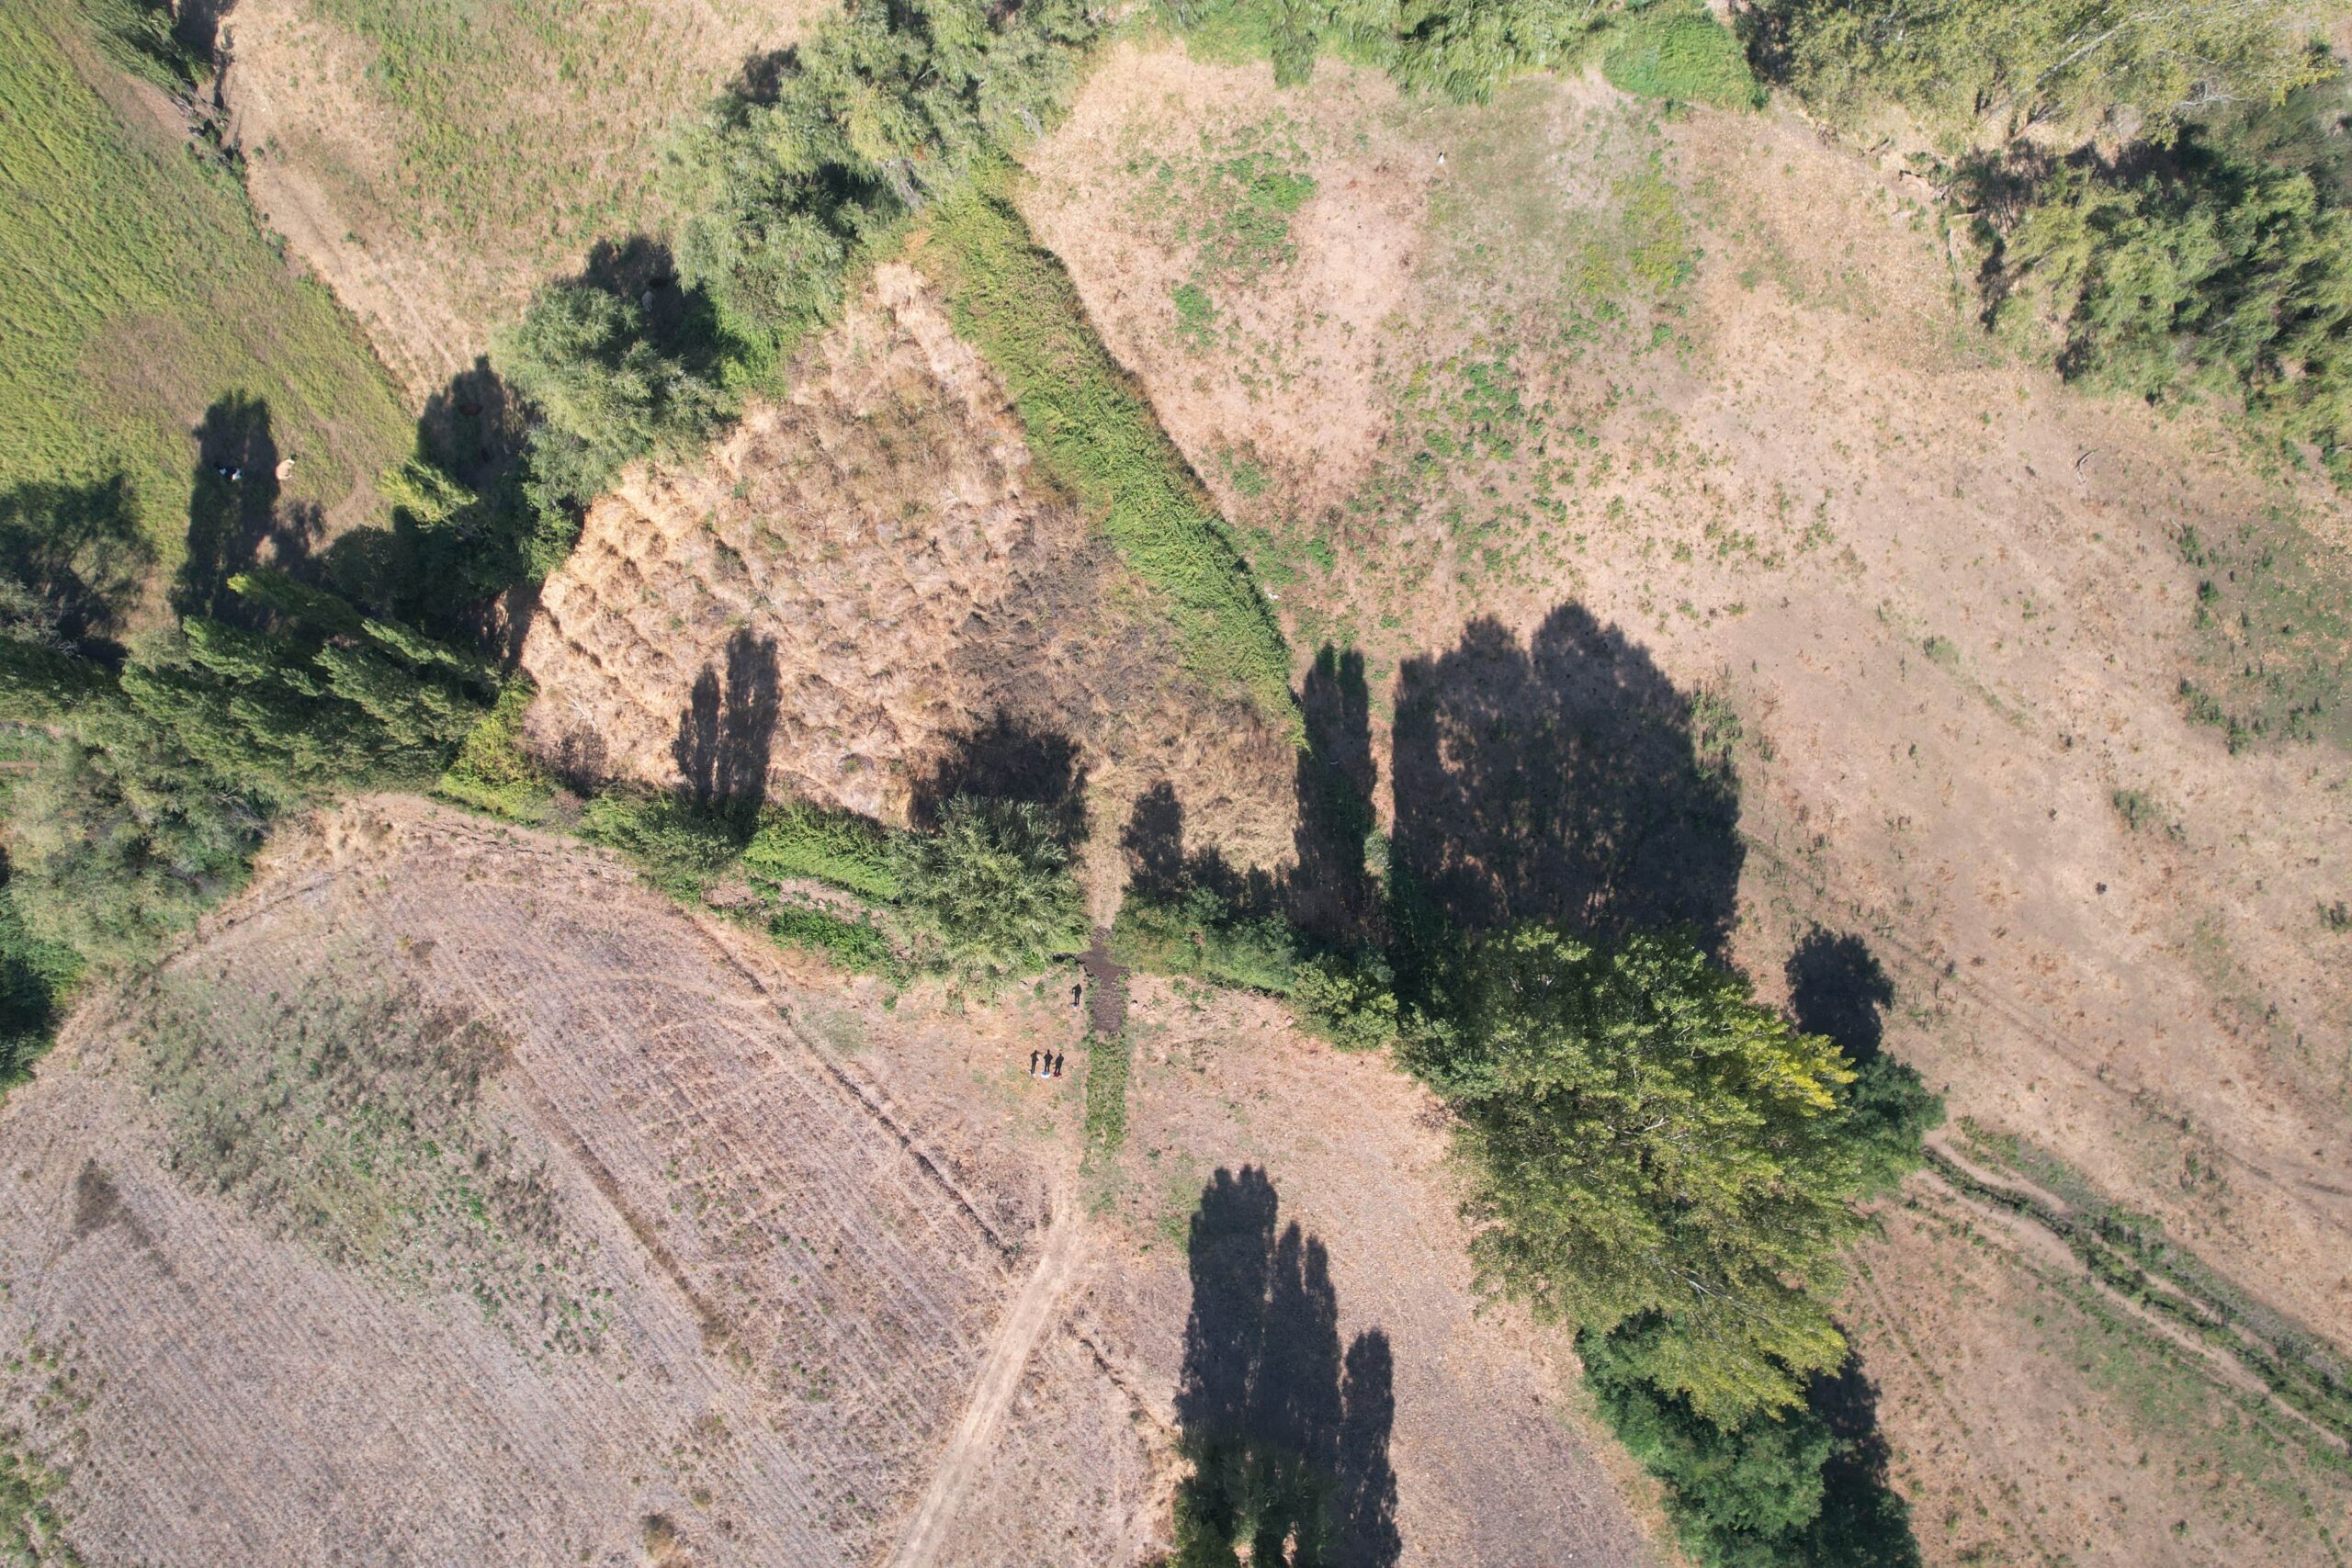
[1044, 1064]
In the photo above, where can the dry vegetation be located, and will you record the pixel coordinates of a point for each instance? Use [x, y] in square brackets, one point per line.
[501, 1211]
[802, 1234]
[435, 163]
[879, 558]
[1711, 381]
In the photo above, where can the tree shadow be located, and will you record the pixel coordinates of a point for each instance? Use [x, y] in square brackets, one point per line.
[1288, 1438]
[1161, 869]
[1010, 758]
[233, 518]
[1863, 1522]
[682, 323]
[1560, 781]
[1838, 987]
[73, 562]
[1331, 894]
[728, 731]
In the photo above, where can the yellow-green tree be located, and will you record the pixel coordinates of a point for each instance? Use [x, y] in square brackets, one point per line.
[1643, 1139]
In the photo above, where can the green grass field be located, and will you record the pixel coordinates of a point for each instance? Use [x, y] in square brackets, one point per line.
[140, 290]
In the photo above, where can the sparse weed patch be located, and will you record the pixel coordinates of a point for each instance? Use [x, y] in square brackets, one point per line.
[348, 1114]
[1228, 207]
[1108, 1061]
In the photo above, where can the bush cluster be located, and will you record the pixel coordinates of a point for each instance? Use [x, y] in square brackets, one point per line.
[2160, 191]
[167, 768]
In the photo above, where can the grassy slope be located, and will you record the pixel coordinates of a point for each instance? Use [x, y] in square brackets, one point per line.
[140, 288]
[1091, 428]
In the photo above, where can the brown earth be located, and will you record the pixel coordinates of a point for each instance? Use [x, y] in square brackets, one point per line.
[2033, 1418]
[2109, 992]
[877, 577]
[812, 1245]
[502, 145]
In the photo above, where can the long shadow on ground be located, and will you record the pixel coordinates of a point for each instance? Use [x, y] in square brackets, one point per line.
[1288, 1436]
[1559, 780]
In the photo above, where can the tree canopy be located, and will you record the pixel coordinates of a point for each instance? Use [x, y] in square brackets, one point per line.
[993, 885]
[1641, 1138]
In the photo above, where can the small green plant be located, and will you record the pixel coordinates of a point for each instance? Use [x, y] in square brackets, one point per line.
[1941, 650]
[1196, 314]
[2336, 916]
[2134, 806]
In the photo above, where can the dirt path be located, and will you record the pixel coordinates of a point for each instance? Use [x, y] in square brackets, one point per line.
[1106, 990]
[1032, 1314]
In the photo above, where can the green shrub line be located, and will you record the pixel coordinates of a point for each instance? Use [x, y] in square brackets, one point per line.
[1093, 432]
[2129, 1254]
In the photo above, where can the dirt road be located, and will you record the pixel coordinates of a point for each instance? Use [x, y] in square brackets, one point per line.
[1032, 1314]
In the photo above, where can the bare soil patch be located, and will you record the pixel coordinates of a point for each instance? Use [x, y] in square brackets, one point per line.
[1706, 387]
[819, 1230]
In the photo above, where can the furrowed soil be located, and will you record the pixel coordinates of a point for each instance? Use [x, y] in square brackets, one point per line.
[453, 1197]
[1587, 427]
[437, 162]
[877, 575]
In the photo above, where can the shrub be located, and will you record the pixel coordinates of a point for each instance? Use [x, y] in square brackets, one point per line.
[2206, 275]
[678, 847]
[1351, 1001]
[493, 773]
[838, 847]
[993, 885]
[1197, 932]
[1979, 70]
[1678, 51]
[860, 945]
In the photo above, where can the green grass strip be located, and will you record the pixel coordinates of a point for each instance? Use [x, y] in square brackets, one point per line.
[1107, 1058]
[1093, 431]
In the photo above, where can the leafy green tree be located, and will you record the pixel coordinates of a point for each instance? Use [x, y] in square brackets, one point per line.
[604, 394]
[1643, 1139]
[1979, 72]
[993, 885]
[2211, 275]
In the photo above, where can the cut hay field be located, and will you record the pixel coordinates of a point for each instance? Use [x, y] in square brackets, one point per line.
[495, 1210]
[144, 302]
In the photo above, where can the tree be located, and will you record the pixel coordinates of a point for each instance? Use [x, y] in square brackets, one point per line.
[994, 886]
[1642, 1138]
[607, 395]
[1980, 71]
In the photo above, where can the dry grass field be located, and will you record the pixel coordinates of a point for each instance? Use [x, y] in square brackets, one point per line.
[454, 1199]
[877, 569]
[1691, 405]
[435, 162]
